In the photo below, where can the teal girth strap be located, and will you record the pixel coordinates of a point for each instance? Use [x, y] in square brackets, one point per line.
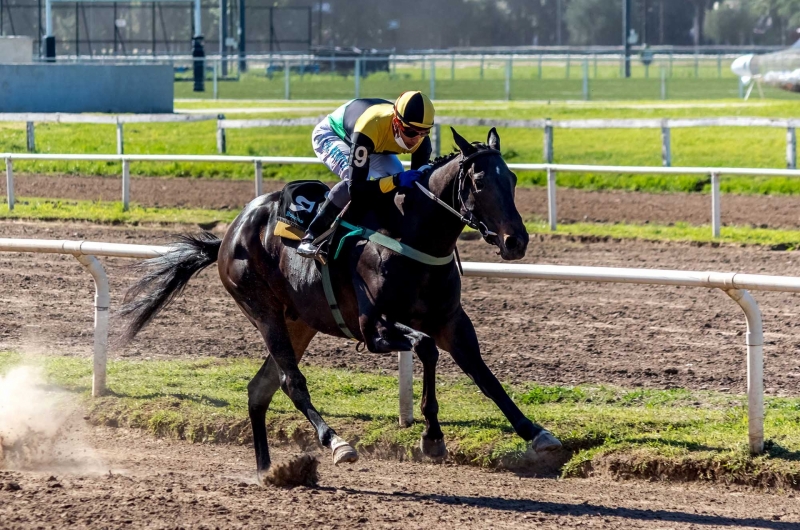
[391, 244]
[337, 314]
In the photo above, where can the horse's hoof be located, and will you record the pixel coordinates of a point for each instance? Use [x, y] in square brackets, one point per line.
[433, 448]
[343, 452]
[261, 476]
[544, 442]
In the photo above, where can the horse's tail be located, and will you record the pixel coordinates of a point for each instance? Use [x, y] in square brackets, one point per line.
[164, 279]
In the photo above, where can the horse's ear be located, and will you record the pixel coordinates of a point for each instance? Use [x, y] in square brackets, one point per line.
[494, 139]
[465, 147]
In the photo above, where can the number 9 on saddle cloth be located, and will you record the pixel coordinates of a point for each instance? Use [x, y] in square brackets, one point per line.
[298, 206]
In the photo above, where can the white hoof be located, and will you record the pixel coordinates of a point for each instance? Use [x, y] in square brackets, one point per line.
[342, 452]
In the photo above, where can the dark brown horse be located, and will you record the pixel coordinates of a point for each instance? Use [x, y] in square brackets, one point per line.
[389, 301]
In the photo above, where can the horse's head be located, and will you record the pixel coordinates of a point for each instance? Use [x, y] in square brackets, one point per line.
[485, 188]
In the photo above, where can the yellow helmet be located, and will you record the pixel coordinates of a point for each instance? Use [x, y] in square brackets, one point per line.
[415, 109]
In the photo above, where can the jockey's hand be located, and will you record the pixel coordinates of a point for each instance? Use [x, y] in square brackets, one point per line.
[406, 179]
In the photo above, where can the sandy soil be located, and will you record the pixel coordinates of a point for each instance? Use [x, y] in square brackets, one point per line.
[544, 332]
[572, 205]
[148, 483]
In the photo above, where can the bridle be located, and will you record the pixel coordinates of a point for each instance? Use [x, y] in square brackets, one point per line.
[470, 219]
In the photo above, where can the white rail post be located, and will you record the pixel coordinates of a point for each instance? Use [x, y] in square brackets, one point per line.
[508, 80]
[357, 75]
[120, 138]
[432, 90]
[286, 88]
[405, 361]
[10, 183]
[126, 184]
[791, 148]
[666, 144]
[715, 205]
[755, 368]
[101, 303]
[436, 140]
[548, 141]
[216, 87]
[586, 79]
[259, 167]
[453, 67]
[221, 139]
[31, 139]
[551, 198]
[663, 83]
[481, 68]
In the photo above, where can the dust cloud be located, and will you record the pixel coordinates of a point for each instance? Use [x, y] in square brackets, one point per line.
[40, 426]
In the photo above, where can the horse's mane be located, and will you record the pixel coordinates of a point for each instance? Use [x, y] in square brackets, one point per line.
[439, 161]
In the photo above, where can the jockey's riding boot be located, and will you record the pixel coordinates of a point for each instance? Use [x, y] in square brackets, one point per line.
[319, 228]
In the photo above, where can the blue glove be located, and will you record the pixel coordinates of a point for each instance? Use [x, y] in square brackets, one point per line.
[406, 179]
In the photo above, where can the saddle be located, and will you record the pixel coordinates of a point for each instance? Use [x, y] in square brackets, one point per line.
[298, 205]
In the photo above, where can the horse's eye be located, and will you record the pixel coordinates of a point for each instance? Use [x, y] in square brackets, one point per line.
[477, 178]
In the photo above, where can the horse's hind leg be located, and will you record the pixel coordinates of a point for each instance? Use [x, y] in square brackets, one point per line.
[277, 336]
[262, 388]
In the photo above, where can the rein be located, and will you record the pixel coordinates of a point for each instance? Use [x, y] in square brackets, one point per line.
[471, 220]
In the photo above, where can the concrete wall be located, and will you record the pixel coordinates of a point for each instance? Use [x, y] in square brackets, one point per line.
[86, 88]
[16, 50]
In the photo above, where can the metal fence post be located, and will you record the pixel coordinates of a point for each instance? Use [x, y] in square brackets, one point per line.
[551, 198]
[259, 167]
[663, 83]
[568, 61]
[405, 378]
[216, 87]
[30, 138]
[453, 67]
[548, 141]
[221, 139]
[120, 138]
[666, 144]
[586, 79]
[357, 76]
[508, 80]
[126, 185]
[10, 183]
[715, 205]
[436, 140]
[286, 88]
[791, 148]
[540, 66]
[432, 92]
[481, 70]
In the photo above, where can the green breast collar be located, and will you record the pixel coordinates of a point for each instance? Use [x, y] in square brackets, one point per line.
[390, 243]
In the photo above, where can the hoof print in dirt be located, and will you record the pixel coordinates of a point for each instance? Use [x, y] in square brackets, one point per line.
[299, 471]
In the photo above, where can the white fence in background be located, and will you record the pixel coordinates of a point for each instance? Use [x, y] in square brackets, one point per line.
[665, 125]
[551, 169]
[733, 284]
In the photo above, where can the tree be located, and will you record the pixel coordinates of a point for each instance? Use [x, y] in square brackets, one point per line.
[594, 22]
[731, 22]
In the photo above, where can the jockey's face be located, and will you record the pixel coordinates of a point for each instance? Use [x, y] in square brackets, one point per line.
[410, 141]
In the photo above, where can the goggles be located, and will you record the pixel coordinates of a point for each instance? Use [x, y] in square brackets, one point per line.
[411, 131]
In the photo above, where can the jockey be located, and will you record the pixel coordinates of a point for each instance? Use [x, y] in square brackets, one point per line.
[360, 142]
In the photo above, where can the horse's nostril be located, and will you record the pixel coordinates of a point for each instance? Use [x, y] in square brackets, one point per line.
[512, 243]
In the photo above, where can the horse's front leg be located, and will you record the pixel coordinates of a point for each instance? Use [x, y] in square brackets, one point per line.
[458, 337]
[383, 337]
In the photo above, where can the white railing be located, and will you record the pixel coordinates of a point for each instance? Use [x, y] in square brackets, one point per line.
[30, 118]
[733, 284]
[551, 169]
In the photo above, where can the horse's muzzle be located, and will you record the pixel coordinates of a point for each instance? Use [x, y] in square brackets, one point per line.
[512, 247]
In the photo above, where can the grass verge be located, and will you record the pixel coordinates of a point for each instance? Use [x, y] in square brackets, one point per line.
[674, 434]
[112, 213]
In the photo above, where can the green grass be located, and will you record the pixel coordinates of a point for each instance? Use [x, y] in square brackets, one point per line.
[206, 401]
[739, 147]
[109, 212]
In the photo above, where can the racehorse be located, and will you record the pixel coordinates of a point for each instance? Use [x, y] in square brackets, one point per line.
[388, 300]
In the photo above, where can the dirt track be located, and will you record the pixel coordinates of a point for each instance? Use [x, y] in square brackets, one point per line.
[573, 205]
[546, 332]
[166, 484]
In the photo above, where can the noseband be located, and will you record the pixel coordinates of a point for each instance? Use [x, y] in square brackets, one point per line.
[470, 219]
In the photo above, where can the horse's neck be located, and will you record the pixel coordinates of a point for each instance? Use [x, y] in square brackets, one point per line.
[428, 226]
